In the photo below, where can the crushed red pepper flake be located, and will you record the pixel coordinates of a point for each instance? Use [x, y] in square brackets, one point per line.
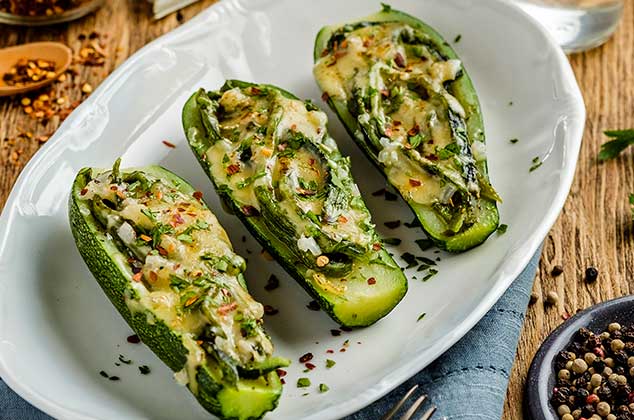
[233, 169]
[306, 357]
[310, 366]
[137, 277]
[269, 310]
[414, 182]
[371, 281]
[83, 191]
[197, 195]
[281, 372]
[376, 246]
[330, 351]
[133, 339]
[169, 144]
[225, 309]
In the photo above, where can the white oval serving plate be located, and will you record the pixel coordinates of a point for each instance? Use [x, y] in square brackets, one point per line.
[57, 329]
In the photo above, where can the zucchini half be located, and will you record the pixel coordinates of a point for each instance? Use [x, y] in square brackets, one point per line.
[272, 161]
[407, 101]
[166, 264]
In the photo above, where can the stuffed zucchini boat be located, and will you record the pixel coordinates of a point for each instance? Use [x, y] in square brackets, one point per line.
[405, 98]
[273, 162]
[167, 265]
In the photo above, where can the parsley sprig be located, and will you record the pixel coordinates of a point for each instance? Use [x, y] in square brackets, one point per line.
[621, 140]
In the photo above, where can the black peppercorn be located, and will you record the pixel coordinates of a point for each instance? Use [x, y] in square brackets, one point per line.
[629, 348]
[561, 359]
[591, 274]
[620, 357]
[560, 396]
[583, 334]
[604, 393]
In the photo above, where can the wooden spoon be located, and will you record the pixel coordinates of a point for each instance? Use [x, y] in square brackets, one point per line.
[56, 52]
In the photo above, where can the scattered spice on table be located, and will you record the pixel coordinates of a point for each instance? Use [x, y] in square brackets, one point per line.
[123, 360]
[306, 357]
[513, 141]
[330, 363]
[501, 230]
[144, 369]
[557, 271]
[421, 316]
[133, 339]
[552, 298]
[536, 163]
[591, 275]
[323, 388]
[28, 71]
[457, 38]
[595, 375]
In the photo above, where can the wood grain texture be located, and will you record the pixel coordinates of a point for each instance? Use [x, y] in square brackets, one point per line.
[595, 228]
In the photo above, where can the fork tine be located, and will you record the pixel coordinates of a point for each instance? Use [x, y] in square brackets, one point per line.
[414, 408]
[428, 413]
[399, 404]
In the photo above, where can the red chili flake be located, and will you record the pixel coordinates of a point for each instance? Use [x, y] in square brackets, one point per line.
[376, 246]
[250, 211]
[255, 90]
[335, 333]
[414, 182]
[311, 161]
[282, 381]
[399, 60]
[269, 310]
[630, 397]
[330, 351]
[414, 130]
[153, 277]
[114, 188]
[371, 281]
[161, 250]
[198, 195]
[281, 372]
[294, 127]
[565, 316]
[342, 350]
[396, 123]
[191, 214]
[325, 96]
[233, 169]
[305, 358]
[178, 219]
[340, 54]
[592, 398]
[324, 53]
[182, 210]
[83, 191]
[168, 144]
[137, 277]
[342, 219]
[310, 366]
[225, 309]
[133, 339]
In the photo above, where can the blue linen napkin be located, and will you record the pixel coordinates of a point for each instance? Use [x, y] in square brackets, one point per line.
[468, 382]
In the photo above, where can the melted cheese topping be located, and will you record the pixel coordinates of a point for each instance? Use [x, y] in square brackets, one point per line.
[404, 82]
[183, 268]
[278, 143]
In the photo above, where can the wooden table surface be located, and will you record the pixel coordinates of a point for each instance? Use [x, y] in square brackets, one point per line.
[595, 228]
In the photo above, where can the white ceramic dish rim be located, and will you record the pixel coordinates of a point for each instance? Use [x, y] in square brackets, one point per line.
[522, 256]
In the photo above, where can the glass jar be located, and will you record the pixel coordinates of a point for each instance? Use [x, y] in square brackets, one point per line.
[82, 10]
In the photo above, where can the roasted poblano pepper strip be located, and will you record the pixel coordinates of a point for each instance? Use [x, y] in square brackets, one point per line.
[167, 265]
[272, 160]
[405, 98]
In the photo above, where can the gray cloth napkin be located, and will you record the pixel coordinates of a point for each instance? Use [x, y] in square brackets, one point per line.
[468, 382]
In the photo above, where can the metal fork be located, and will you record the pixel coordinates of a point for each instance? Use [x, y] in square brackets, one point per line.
[409, 414]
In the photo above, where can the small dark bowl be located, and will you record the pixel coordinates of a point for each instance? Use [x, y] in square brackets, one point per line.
[541, 375]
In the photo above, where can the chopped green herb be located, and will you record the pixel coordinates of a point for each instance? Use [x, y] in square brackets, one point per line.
[144, 369]
[201, 225]
[248, 327]
[178, 282]
[149, 214]
[421, 316]
[502, 229]
[272, 283]
[413, 224]
[457, 39]
[431, 273]
[303, 383]
[123, 360]
[448, 151]
[393, 224]
[416, 140]
[410, 259]
[426, 260]
[536, 163]
[513, 141]
[424, 244]
[330, 363]
[183, 237]
[323, 388]
[392, 241]
[620, 140]
[511, 103]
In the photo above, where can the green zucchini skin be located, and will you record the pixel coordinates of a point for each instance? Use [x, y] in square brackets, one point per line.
[250, 399]
[462, 89]
[200, 139]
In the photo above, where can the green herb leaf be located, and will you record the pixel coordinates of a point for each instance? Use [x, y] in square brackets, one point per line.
[448, 151]
[621, 139]
[431, 273]
[178, 282]
[323, 388]
[392, 241]
[421, 316]
[424, 244]
[303, 383]
[330, 363]
[416, 140]
[410, 259]
[513, 141]
[148, 213]
[185, 238]
[536, 163]
[502, 229]
[457, 39]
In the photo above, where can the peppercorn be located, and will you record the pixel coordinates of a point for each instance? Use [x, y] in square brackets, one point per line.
[560, 396]
[579, 366]
[562, 358]
[563, 409]
[590, 358]
[591, 274]
[567, 416]
[595, 380]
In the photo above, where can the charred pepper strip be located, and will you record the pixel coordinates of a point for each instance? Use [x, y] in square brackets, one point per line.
[167, 265]
[407, 101]
[273, 162]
